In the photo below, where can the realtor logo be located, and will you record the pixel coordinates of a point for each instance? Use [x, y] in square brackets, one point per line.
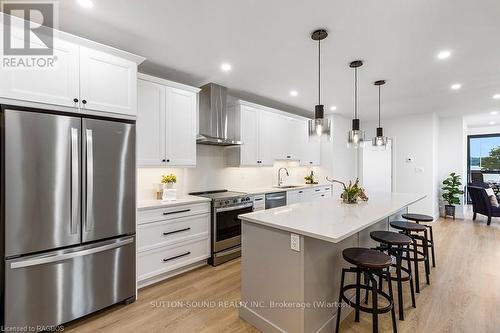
[28, 34]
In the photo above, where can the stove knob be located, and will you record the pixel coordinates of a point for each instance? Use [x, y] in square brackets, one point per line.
[235, 200]
[247, 198]
[226, 202]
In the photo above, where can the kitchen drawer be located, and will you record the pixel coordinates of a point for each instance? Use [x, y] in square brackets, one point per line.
[174, 231]
[154, 262]
[323, 194]
[322, 189]
[161, 214]
[259, 202]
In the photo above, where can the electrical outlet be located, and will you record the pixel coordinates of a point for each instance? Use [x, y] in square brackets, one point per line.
[295, 242]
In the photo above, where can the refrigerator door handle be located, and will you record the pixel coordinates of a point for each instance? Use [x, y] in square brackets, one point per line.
[74, 181]
[89, 219]
[66, 256]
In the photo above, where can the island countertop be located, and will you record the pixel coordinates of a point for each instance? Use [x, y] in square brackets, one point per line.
[330, 219]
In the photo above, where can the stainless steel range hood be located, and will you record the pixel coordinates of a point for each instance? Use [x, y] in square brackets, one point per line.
[213, 117]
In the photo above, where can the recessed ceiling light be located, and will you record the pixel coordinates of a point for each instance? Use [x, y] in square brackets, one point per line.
[491, 123]
[333, 108]
[494, 113]
[456, 86]
[496, 96]
[444, 54]
[86, 3]
[225, 67]
[294, 93]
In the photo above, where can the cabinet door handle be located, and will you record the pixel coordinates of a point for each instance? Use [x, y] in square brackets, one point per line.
[258, 199]
[84, 101]
[175, 232]
[163, 160]
[300, 192]
[317, 190]
[168, 161]
[178, 256]
[177, 211]
[75, 100]
[288, 157]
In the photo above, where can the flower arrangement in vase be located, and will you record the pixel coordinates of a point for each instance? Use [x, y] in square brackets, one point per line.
[168, 181]
[351, 192]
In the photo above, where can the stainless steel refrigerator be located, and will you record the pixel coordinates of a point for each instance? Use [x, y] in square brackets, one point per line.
[67, 215]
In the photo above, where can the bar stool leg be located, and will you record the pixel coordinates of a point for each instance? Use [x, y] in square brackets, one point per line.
[358, 291]
[375, 305]
[426, 253]
[415, 263]
[432, 246]
[412, 288]
[400, 283]
[339, 305]
[393, 312]
[367, 283]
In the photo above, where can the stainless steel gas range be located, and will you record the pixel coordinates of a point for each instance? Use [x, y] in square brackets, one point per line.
[226, 226]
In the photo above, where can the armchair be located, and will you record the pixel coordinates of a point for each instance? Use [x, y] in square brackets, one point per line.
[481, 203]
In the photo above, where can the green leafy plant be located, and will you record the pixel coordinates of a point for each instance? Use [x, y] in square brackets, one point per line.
[451, 189]
[171, 178]
[351, 192]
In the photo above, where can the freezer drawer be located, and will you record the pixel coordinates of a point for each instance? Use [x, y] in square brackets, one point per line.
[60, 286]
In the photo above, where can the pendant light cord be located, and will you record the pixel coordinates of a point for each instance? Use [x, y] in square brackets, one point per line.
[319, 71]
[356, 93]
[378, 106]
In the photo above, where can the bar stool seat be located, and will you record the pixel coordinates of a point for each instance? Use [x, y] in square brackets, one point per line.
[404, 225]
[390, 238]
[417, 217]
[369, 258]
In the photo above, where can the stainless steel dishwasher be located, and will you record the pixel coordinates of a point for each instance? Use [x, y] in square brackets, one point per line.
[276, 199]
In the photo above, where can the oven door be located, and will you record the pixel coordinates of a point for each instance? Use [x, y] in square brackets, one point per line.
[227, 226]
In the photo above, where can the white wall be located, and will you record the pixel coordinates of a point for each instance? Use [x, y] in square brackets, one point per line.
[211, 173]
[337, 160]
[414, 136]
[452, 153]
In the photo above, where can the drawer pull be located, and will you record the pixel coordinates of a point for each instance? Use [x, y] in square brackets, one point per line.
[317, 190]
[175, 232]
[258, 199]
[177, 211]
[178, 256]
[301, 192]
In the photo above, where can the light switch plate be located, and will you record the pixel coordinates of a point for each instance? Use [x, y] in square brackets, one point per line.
[295, 242]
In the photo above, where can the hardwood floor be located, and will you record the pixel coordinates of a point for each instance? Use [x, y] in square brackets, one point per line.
[464, 295]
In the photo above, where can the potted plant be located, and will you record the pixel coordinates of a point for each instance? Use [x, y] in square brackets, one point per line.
[451, 194]
[169, 180]
[351, 192]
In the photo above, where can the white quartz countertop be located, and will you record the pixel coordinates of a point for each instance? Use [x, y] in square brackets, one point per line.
[182, 200]
[271, 189]
[331, 220]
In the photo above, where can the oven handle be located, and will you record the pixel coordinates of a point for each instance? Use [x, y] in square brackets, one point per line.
[227, 209]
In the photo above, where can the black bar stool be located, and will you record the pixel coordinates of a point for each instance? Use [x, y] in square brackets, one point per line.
[412, 230]
[371, 263]
[395, 244]
[426, 219]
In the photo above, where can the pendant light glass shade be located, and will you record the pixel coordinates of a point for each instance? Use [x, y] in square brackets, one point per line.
[319, 127]
[380, 140]
[355, 137]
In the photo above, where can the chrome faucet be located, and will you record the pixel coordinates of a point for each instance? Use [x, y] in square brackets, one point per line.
[280, 180]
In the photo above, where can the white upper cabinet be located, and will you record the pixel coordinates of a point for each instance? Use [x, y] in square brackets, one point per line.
[269, 135]
[150, 126]
[249, 136]
[85, 76]
[181, 127]
[58, 85]
[166, 123]
[107, 83]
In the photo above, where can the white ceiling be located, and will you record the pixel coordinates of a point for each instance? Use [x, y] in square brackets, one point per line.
[268, 44]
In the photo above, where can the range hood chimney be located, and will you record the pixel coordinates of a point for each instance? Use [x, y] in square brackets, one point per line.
[213, 117]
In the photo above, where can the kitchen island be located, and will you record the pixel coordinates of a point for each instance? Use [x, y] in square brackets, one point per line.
[292, 258]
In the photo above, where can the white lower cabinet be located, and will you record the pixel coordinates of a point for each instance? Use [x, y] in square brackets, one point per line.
[171, 240]
[308, 194]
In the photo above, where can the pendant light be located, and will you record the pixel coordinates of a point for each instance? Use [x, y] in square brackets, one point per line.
[379, 140]
[319, 126]
[356, 137]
